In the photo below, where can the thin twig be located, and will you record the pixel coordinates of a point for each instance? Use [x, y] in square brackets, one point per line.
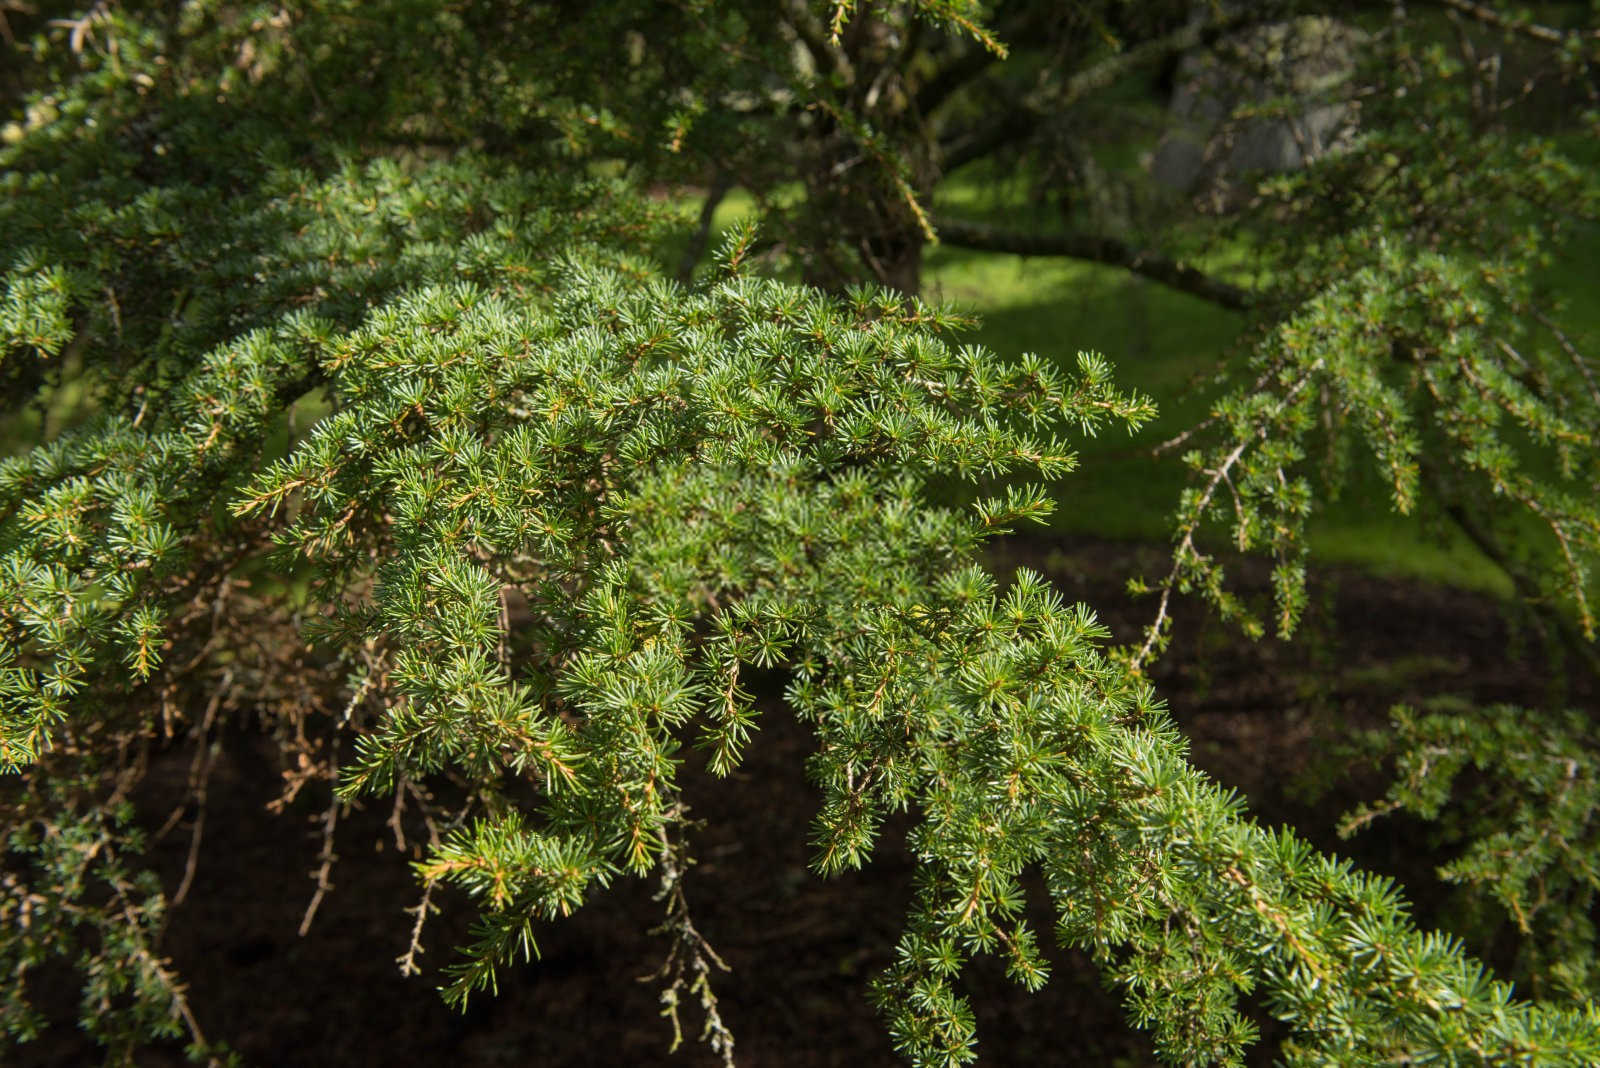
[1219, 474]
[395, 822]
[690, 953]
[421, 910]
[1577, 358]
[142, 952]
[330, 822]
[1539, 32]
[199, 778]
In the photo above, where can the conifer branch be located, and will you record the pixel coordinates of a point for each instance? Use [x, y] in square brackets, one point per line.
[326, 858]
[1098, 249]
[1526, 27]
[821, 43]
[420, 911]
[690, 957]
[555, 504]
[1023, 117]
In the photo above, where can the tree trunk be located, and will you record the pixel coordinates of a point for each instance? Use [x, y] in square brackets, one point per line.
[896, 259]
[863, 228]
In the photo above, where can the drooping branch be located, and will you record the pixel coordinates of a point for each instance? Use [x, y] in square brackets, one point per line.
[1553, 626]
[827, 54]
[1527, 28]
[691, 958]
[1027, 115]
[969, 146]
[947, 80]
[1099, 249]
[972, 63]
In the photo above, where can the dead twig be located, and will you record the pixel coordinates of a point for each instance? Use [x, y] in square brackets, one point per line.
[327, 857]
[690, 958]
[205, 760]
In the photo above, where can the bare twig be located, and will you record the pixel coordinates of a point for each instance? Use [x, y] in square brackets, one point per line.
[330, 822]
[83, 28]
[501, 653]
[1183, 436]
[1579, 363]
[1527, 28]
[199, 778]
[825, 51]
[691, 958]
[395, 815]
[16, 7]
[421, 910]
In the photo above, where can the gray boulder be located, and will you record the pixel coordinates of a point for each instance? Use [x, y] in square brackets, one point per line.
[1291, 73]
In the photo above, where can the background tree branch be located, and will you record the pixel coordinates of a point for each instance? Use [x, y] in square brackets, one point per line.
[1098, 249]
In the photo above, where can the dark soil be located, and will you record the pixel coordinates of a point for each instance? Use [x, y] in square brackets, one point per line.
[1262, 717]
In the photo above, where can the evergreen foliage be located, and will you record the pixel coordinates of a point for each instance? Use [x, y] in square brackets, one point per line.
[1420, 334]
[1533, 849]
[553, 506]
